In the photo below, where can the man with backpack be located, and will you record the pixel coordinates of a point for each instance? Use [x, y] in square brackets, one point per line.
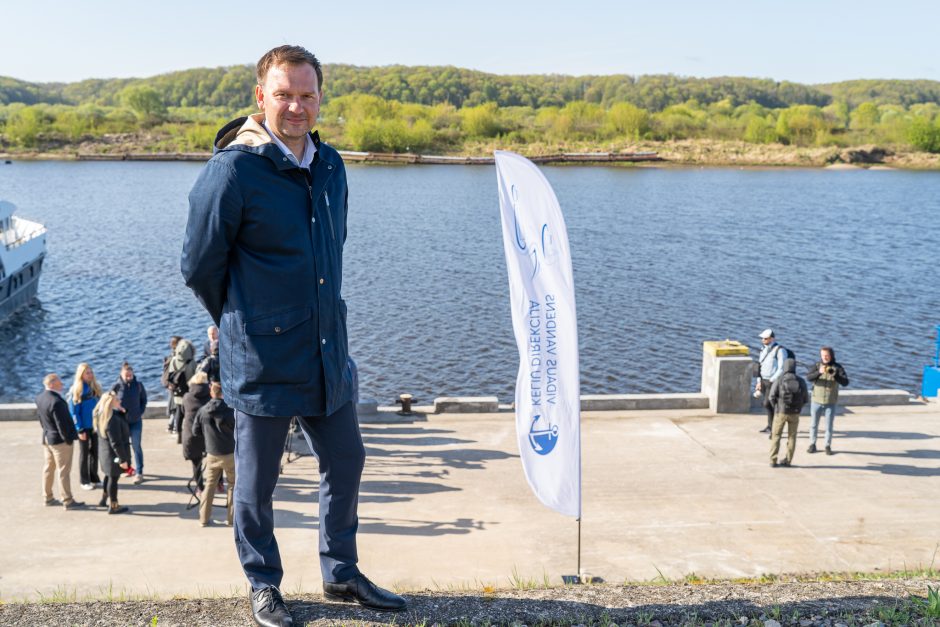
[788, 395]
[176, 374]
[770, 362]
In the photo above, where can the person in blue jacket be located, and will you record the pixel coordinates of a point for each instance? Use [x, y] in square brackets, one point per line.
[82, 397]
[263, 252]
[133, 398]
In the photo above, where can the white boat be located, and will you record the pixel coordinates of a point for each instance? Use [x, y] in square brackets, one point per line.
[22, 250]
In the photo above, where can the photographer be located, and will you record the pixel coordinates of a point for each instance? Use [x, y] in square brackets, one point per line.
[826, 376]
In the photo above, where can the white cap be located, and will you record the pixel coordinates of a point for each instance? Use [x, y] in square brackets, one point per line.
[766, 333]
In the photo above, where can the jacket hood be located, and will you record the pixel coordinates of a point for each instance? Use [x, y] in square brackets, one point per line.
[247, 131]
[789, 365]
[184, 349]
[244, 131]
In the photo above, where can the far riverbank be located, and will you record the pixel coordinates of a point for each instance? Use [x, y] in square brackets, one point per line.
[700, 152]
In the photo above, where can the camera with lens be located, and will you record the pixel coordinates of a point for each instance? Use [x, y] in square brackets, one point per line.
[830, 370]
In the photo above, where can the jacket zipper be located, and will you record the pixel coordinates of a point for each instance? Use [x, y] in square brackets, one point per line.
[329, 214]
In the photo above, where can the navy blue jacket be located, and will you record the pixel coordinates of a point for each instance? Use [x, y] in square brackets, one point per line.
[263, 252]
[133, 398]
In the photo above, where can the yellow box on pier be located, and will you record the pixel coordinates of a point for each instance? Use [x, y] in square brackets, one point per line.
[725, 348]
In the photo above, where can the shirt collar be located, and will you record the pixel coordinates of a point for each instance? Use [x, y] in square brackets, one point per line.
[310, 148]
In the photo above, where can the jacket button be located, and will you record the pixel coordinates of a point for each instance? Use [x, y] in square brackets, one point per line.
[322, 281]
[323, 341]
[329, 167]
[313, 219]
[277, 329]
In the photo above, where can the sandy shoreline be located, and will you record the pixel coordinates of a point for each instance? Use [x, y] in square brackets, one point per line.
[683, 153]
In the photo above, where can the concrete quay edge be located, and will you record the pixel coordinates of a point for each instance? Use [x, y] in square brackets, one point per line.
[371, 411]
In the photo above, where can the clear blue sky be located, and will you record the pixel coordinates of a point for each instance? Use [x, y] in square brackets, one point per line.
[799, 40]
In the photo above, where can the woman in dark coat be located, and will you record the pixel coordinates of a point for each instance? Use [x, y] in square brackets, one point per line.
[114, 451]
[194, 446]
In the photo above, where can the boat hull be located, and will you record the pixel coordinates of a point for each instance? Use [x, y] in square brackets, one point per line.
[19, 288]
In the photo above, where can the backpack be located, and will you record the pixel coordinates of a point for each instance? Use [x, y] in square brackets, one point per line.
[174, 380]
[791, 394]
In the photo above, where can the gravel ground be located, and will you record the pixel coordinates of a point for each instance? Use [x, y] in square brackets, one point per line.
[796, 603]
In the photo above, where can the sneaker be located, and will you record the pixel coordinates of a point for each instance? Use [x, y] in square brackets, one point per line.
[828, 450]
[87, 486]
[73, 504]
[138, 479]
[811, 449]
[785, 462]
[103, 502]
[765, 430]
[773, 463]
[117, 509]
[53, 502]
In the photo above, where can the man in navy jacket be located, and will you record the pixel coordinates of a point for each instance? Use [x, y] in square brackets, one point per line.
[58, 436]
[263, 252]
[133, 397]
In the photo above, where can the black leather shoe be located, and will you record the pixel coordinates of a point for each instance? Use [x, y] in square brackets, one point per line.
[268, 608]
[362, 591]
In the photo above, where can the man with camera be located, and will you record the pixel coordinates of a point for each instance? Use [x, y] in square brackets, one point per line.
[826, 376]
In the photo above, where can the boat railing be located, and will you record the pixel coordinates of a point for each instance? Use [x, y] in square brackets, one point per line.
[26, 237]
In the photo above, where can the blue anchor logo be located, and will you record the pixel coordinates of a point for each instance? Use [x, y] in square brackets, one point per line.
[542, 436]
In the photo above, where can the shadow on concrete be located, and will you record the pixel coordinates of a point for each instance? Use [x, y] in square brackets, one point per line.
[403, 487]
[493, 609]
[459, 526]
[422, 441]
[400, 527]
[463, 459]
[401, 430]
[914, 454]
[887, 469]
[884, 435]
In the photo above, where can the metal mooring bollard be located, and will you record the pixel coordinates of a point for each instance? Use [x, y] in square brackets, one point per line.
[405, 400]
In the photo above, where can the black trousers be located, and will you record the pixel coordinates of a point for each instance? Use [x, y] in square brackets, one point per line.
[765, 385]
[197, 474]
[88, 458]
[110, 488]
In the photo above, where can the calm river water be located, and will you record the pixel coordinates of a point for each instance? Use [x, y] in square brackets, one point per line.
[663, 259]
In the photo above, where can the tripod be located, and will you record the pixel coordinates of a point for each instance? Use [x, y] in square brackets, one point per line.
[291, 451]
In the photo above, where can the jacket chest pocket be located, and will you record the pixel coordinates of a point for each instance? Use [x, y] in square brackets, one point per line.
[277, 347]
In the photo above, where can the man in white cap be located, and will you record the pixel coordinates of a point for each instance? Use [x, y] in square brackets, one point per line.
[771, 360]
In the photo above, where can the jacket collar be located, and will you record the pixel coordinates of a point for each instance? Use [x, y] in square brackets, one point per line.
[247, 134]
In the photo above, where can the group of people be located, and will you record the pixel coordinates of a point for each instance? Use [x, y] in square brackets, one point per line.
[784, 393]
[107, 426]
[201, 420]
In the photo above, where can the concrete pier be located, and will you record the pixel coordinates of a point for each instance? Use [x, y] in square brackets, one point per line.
[444, 502]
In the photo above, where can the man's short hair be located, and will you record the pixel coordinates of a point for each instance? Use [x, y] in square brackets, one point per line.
[287, 55]
[49, 379]
[126, 366]
[215, 390]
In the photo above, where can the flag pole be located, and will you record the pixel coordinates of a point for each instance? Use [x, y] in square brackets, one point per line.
[578, 572]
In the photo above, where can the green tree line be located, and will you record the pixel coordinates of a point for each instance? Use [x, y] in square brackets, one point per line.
[447, 109]
[430, 85]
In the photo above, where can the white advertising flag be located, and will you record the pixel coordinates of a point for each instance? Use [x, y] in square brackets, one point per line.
[541, 292]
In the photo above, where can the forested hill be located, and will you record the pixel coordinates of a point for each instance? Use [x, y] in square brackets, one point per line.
[231, 87]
